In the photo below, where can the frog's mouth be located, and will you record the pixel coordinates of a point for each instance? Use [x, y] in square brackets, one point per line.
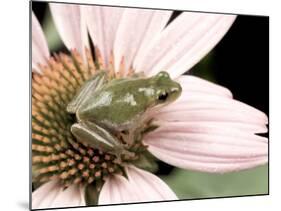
[56, 154]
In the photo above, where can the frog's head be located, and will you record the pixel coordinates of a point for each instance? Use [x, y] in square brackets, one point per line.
[167, 90]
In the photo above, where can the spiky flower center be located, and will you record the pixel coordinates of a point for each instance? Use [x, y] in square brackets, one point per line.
[56, 154]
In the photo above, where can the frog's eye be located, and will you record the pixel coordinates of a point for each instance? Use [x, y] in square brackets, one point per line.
[163, 75]
[163, 96]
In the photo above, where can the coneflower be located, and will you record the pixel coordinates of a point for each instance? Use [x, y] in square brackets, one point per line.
[205, 129]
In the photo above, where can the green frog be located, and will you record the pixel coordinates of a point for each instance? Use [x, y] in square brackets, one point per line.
[105, 108]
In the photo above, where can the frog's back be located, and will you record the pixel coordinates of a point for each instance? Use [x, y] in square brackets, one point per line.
[118, 105]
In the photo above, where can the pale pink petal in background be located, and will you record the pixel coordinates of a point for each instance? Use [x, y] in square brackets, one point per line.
[206, 130]
[184, 42]
[40, 50]
[102, 23]
[141, 186]
[137, 28]
[71, 25]
[52, 195]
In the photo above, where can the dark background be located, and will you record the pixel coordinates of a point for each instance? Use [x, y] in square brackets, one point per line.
[241, 61]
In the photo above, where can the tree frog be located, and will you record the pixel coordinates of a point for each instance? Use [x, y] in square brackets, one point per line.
[104, 107]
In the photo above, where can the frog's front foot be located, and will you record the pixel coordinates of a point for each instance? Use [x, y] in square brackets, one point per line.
[124, 156]
[129, 155]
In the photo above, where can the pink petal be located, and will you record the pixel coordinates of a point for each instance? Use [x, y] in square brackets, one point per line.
[194, 84]
[208, 164]
[40, 50]
[52, 195]
[102, 23]
[218, 111]
[184, 42]
[204, 101]
[141, 186]
[206, 130]
[149, 186]
[70, 197]
[211, 126]
[117, 189]
[71, 25]
[136, 30]
[157, 23]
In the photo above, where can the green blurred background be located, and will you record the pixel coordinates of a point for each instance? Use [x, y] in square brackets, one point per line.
[241, 56]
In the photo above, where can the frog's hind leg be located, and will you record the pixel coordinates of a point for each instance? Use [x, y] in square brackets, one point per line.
[93, 135]
[85, 92]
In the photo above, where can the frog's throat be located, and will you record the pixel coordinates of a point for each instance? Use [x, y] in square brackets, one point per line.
[56, 154]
